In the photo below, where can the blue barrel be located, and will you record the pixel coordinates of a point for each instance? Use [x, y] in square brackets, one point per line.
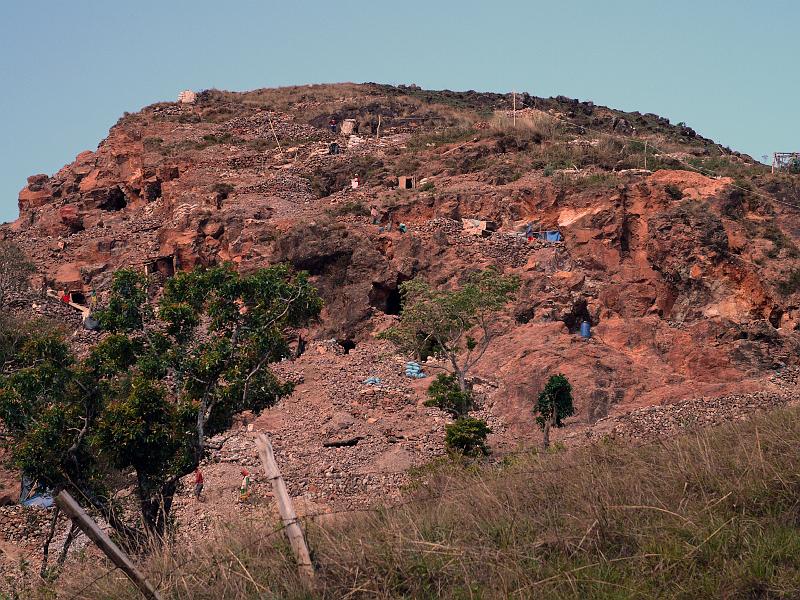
[586, 330]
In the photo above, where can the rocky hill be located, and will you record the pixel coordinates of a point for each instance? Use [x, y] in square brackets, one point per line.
[680, 253]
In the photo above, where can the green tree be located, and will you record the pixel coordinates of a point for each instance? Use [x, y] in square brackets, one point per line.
[553, 405]
[444, 393]
[149, 396]
[468, 436]
[457, 324]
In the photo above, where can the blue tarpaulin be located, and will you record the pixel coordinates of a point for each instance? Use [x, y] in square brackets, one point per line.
[32, 494]
[414, 370]
[552, 236]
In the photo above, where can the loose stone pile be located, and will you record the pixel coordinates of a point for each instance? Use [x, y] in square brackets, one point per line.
[668, 420]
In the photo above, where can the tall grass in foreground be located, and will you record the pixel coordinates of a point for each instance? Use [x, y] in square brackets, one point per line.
[714, 514]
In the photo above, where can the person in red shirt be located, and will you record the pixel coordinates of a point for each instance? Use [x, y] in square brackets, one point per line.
[198, 483]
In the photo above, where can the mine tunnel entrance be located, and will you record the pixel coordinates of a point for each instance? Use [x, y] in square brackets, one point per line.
[331, 266]
[164, 265]
[115, 200]
[386, 298]
[77, 297]
[347, 344]
[577, 315]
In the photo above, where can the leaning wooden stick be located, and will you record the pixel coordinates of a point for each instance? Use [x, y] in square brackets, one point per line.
[288, 516]
[79, 517]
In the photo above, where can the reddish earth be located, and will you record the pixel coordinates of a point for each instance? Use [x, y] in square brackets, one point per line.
[678, 273]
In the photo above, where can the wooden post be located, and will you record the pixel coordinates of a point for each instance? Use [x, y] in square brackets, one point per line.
[645, 155]
[514, 96]
[378, 131]
[79, 517]
[293, 531]
[275, 135]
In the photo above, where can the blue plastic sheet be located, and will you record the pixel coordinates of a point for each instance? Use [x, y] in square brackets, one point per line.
[414, 370]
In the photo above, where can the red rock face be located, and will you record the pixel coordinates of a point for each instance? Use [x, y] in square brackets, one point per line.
[676, 272]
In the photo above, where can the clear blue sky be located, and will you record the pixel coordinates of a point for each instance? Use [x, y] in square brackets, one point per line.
[69, 69]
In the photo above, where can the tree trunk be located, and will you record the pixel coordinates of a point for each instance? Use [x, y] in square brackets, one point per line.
[546, 437]
[547, 425]
[46, 548]
[462, 380]
[73, 533]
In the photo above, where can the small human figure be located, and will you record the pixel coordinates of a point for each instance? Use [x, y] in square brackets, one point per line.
[355, 182]
[92, 298]
[373, 212]
[244, 489]
[529, 232]
[402, 227]
[332, 124]
[198, 483]
[64, 296]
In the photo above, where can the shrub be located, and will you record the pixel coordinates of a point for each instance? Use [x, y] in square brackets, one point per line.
[467, 435]
[673, 191]
[349, 208]
[446, 394]
[791, 284]
[553, 405]
[222, 188]
[428, 186]
[152, 144]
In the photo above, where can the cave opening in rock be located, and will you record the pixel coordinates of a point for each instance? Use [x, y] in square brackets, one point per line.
[332, 266]
[577, 315]
[78, 297]
[163, 265]
[166, 266]
[347, 344]
[386, 297]
[115, 200]
[152, 190]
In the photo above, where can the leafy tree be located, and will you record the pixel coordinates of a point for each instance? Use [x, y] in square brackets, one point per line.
[553, 405]
[149, 396]
[445, 393]
[455, 324]
[468, 436]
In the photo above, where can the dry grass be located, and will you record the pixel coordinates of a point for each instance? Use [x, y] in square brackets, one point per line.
[710, 515]
[533, 123]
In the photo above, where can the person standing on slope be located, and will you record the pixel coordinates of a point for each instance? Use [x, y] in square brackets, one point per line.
[198, 483]
[244, 489]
